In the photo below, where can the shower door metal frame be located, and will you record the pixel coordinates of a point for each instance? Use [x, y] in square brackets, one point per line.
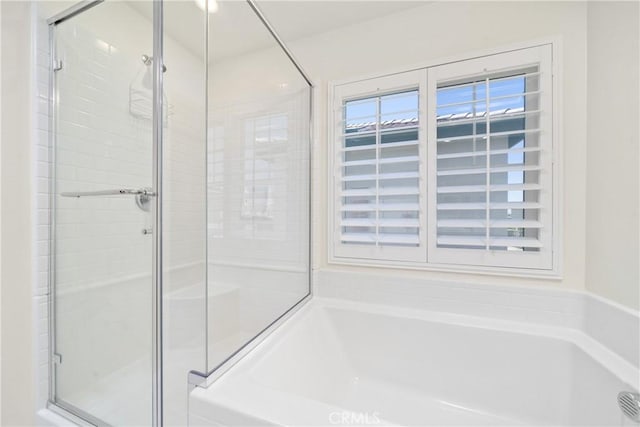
[66, 410]
[158, 159]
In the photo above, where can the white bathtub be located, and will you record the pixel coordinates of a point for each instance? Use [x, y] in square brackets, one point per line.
[341, 363]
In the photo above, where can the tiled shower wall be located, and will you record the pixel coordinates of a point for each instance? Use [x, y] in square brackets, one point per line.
[184, 175]
[100, 145]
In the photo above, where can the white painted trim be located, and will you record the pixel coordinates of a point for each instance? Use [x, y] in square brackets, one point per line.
[557, 145]
[448, 268]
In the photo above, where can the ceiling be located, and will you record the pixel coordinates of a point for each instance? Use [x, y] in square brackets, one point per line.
[298, 19]
[236, 30]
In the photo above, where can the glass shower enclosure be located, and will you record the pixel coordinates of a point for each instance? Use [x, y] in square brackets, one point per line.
[179, 193]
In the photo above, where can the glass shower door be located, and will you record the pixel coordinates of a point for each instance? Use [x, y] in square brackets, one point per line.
[103, 214]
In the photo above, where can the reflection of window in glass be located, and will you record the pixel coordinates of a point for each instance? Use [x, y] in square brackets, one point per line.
[263, 209]
[215, 181]
[257, 201]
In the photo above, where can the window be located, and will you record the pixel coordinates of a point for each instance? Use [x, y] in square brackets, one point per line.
[448, 165]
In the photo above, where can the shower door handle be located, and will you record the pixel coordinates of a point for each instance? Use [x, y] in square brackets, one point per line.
[143, 195]
[117, 192]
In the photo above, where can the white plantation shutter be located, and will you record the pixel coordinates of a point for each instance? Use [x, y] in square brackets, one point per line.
[490, 144]
[379, 177]
[446, 166]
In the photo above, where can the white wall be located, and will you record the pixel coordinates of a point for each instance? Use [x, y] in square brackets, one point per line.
[613, 154]
[17, 332]
[438, 31]
[593, 258]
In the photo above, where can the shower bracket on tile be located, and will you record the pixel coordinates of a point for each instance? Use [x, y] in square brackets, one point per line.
[148, 60]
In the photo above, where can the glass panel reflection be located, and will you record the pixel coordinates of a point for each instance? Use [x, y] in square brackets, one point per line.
[258, 171]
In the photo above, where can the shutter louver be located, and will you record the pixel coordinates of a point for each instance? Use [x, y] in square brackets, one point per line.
[488, 139]
[447, 165]
[379, 177]
[490, 151]
[380, 171]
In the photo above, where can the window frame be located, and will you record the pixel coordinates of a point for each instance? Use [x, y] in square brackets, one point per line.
[370, 85]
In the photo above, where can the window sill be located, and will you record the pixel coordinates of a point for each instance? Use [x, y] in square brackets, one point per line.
[551, 275]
